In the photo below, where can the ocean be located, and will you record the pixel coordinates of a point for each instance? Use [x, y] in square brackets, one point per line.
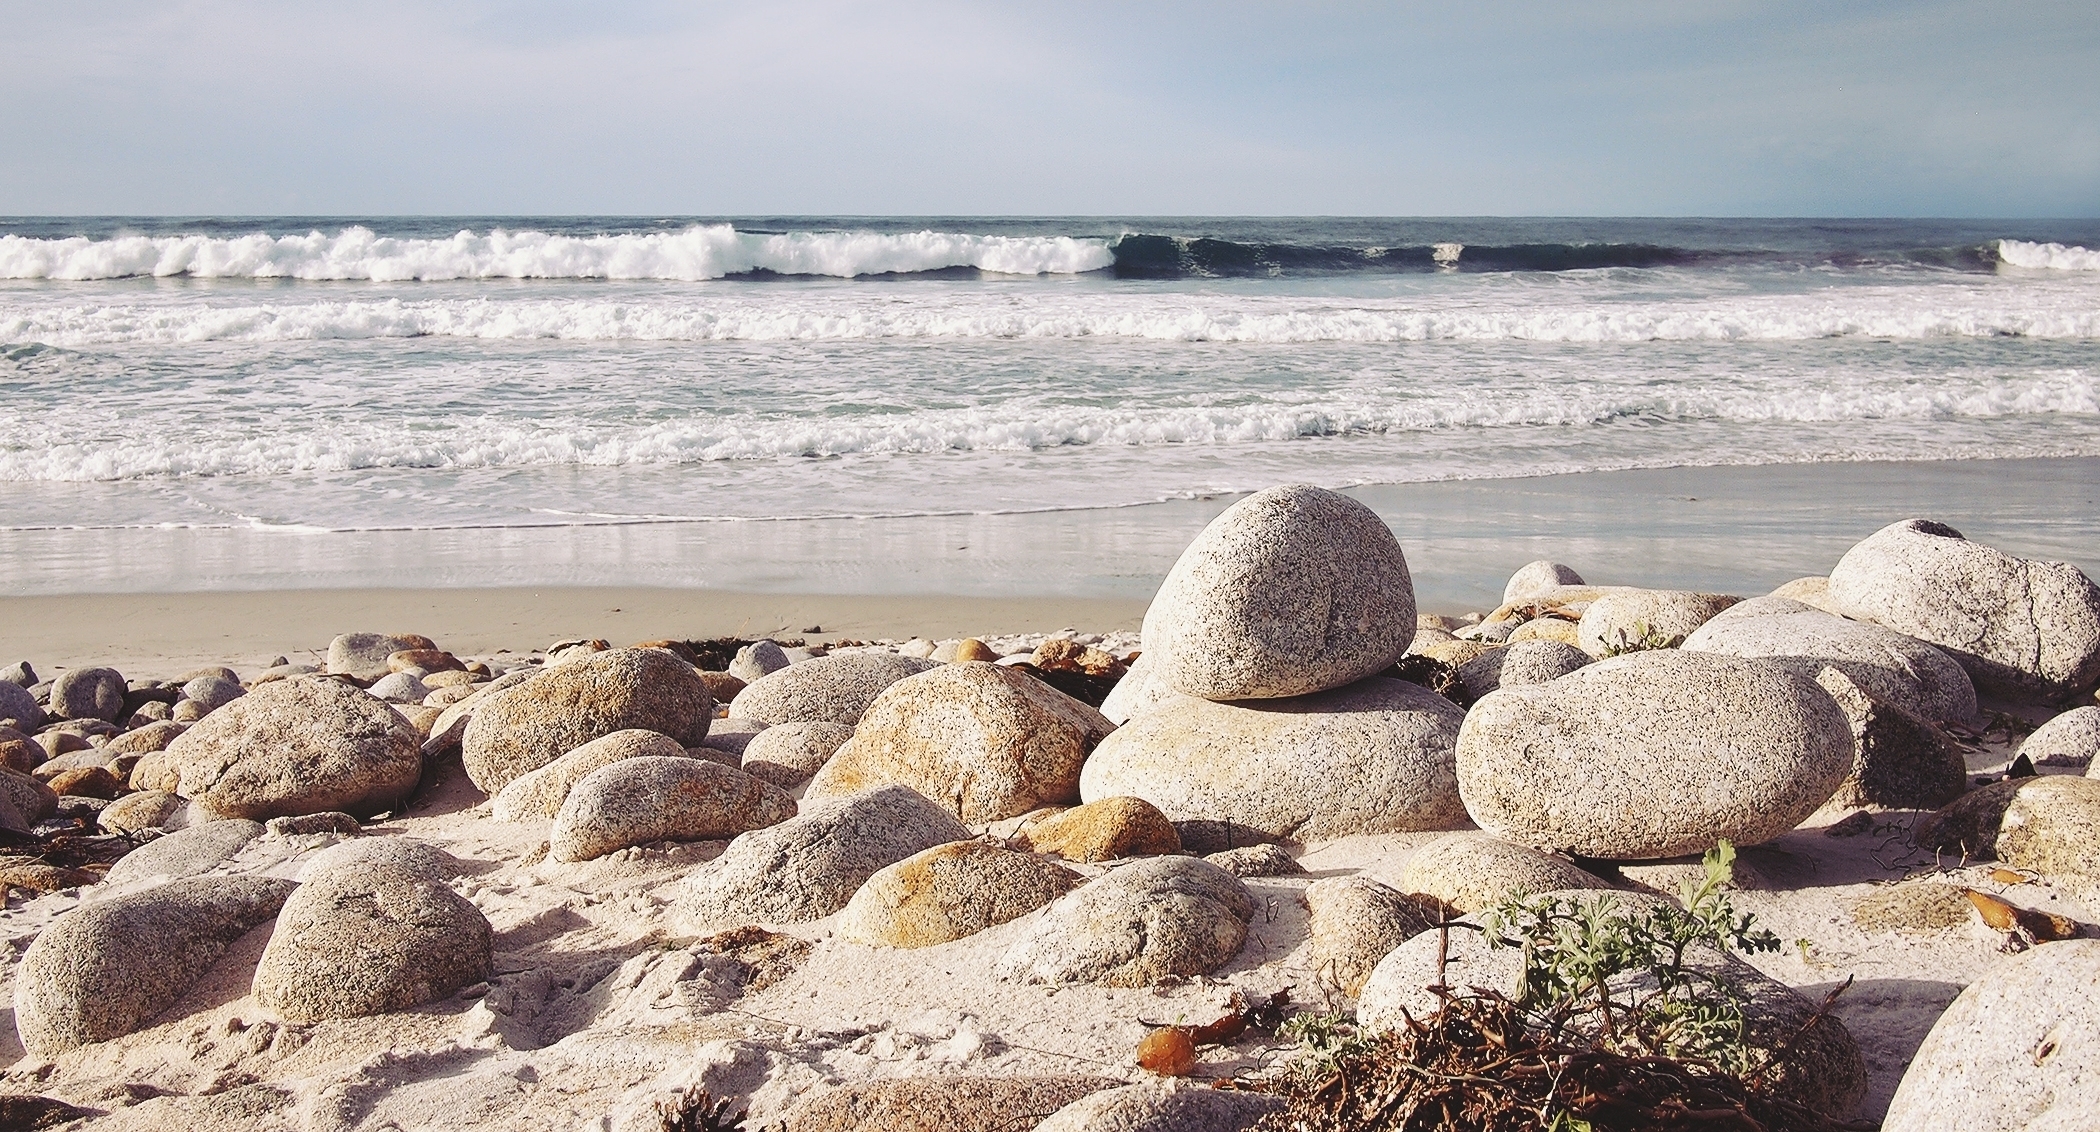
[489, 374]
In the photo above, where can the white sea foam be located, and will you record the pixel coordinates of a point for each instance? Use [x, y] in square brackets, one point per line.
[699, 252]
[2056, 257]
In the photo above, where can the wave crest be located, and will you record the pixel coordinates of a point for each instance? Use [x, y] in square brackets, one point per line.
[2052, 257]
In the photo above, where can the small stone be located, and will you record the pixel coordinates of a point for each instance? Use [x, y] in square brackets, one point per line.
[757, 659]
[1534, 578]
[21, 674]
[423, 660]
[733, 735]
[2070, 739]
[722, 686]
[144, 809]
[212, 690]
[650, 798]
[152, 737]
[189, 852]
[32, 875]
[828, 689]
[88, 693]
[1164, 1106]
[1628, 619]
[1914, 906]
[950, 891]
[944, 1103]
[2049, 824]
[1257, 861]
[399, 688]
[1150, 919]
[1548, 629]
[31, 799]
[363, 655]
[17, 704]
[309, 825]
[1469, 872]
[970, 648]
[787, 754]
[1105, 830]
[1355, 921]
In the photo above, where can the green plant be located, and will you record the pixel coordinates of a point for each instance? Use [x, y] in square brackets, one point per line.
[1645, 638]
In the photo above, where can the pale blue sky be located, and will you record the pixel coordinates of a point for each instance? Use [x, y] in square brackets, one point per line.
[1631, 107]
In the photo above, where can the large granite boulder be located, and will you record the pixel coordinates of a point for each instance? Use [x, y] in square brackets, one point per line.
[294, 747]
[107, 967]
[951, 891]
[1622, 620]
[824, 689]
[17, 704]
[372, 929]
[539, 794]
[1290, 591]
[2018, 1051]
[987, 742]
[1471, 871]
[88, 693]
[1373, 757]
[523, 729]
[184, 853]
[656, 798]
[809, 866]
[788, 754]
[1891, 667]
[1138, 924]
[2018, 626]
[1355, 920]
[1535, 578]
[1653, 754]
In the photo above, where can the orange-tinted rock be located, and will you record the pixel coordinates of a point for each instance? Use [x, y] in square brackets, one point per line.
[721, 685]
[86, 782]
[21, 755]
[951, 891]
[970, 648]
[34, 875]
[1104, 831]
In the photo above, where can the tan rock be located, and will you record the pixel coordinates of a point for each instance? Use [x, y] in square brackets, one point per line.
[1472, 871]
[530, 725]
[1916, 906]
[2050, 824]
[722, 686]
[1104, 830]
[1626, 620]
[970, 648]
[426, 660]
[32, 875]
[787, 754]
[293, 747]
[825, 689]
[637, 801]
[1547, 629]
[538, 795]
[1135, 925]
[951, 891]
[940, 1104]
[1355, 921]
[86, 782]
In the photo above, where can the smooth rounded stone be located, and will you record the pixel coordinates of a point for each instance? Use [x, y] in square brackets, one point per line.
[35, 876]
[442, 698]
[86, 782]
[1454, 652]
[21, 674]
[451, 724]
[1653, 754]
[425, 660]
[373, 928]
[1257, 861]
[951, 891]
[2017, 626]
[104, 968]
[1136, 693]
[76, 760]
[188, 852]
[1548, 629]
[32, 799]
[88, 693]
[292, 747]
[970, 648]
[213, 690]
[539, 794]
[1471, 871]
[1135, 925]
[1811, 591]
[2070, 739]
[1105, 830]
[940, 1103]
[809, 866]
[285, 672]
[2050, 824]
[917, 647]
[144, 740]
[187, 711]
[825, 689]
[1524, 662]
[17, 704]
[1373, 757]
[145, 809]
[1355, 921]
[2017, 1051]
[540, 720]
[733, 735]
[448, 678]
[649, 798]
[989, 742]
[399, 688]
[1889, 666]
[1899, 759]
[1623, 619]
[153, 711]
[1535, 578]
[1171, 1105]
[1290, 591]
[21, 755]
[787, 754]
[363, 655]
[757, 659]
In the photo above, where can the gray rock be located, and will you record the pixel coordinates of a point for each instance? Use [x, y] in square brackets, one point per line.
[1169, 1105]
[363, 655]
[308, 825]
[1898, 758]
[825, 689]
[788, 754]
[2018, 1051]
[144, 740]
[373, 928]
[1471, 871]
[295, 747]
[1374, 757]
[546, 717]
[1136, 693]
[809, 866]
[986, 742]
[21, 674]
[2070, 739]
[733, 735]
[451, 724]
[88, 693]
[1520, 663]
[654, 798]
[946, 1102]
[212, 690]
[1623, 619]
[109, 966]
[189, 852]
[1889, 666]
[1355, 921]
[146, 809]
[1138, 924]
[1653, 754]
[17, 704]
[759, 658]
[1256, 861]
[539, 795]
[1535, 578]
[33, 800]
[400, 688]
[2017, 626]
[1290, 591]
[2049, 824]
[951, 891]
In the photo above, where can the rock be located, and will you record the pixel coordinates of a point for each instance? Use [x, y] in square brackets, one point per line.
[1374, 757]
[1520, 663]
[1105, 830]
[1136, 693]
[568, 652]
[20, 755]
[1355, 921]
[1914, 906]
[1653, 754]
[1138, 924]
[788, 754]
[1887, 665]
[732, 735]
[809, 866]
[2017, 626]
[546, 717]
[1472, 871]
[152, 712]
[33, 875]
[1624, 620]
[451, 724]
[918, 647]
[21, 674]
[88, 693]
[1548, 629]
[308, 825]
[144, 740]
[539, 795]
[17, 704]
[284, 672]
[951, 891]
[189, 852]
[363, 655]
[987, 742]
[970, 648]
[86, 782]
[107, 966]
[1813, 590]
[399, 688]
[33, 800]
[940, 1104]
[77, 760]
[293, 747]
[1456, 653]
[2070, 739]
[636, 801]
[722, 686]
[1535, 578]
[424, 660]
[757, 659]
[1898, 758]
[1257, 861]
[372, 929]
[146, 809]
[827, 689]
[212, 691]
[1290, 591]
[2018, 1051]
[2050, 824]
[1170, 1105]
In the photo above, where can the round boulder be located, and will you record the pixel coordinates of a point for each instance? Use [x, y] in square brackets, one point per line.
[212, 690]
[757, 659]
[654, 798]
[522, 729]
[788, 754]
[951, 891]
[2070, 739]
[1889, 666]
[1653, 754]
[1626, 620]
[1355, 921]
[1170, 1105]
[363, 655]
[292, 747]
[1471, 871]
[2050, 824]
[824, 689]
[17, 704]
[989, 742]
[88, 693]
[1138, 924]
[539, 794]
[1535, 578]
[1105, 830]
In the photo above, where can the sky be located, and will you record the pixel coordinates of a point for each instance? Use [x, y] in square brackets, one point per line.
[911, 108]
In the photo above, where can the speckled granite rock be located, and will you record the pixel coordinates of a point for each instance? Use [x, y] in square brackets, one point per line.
[655, 798]
[295, 747]
[824, 689]
[527, 727]
[951, 891]
[1471, 871]
[1141, 922]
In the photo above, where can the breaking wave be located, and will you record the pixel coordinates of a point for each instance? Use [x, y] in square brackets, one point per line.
[2055, 257]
